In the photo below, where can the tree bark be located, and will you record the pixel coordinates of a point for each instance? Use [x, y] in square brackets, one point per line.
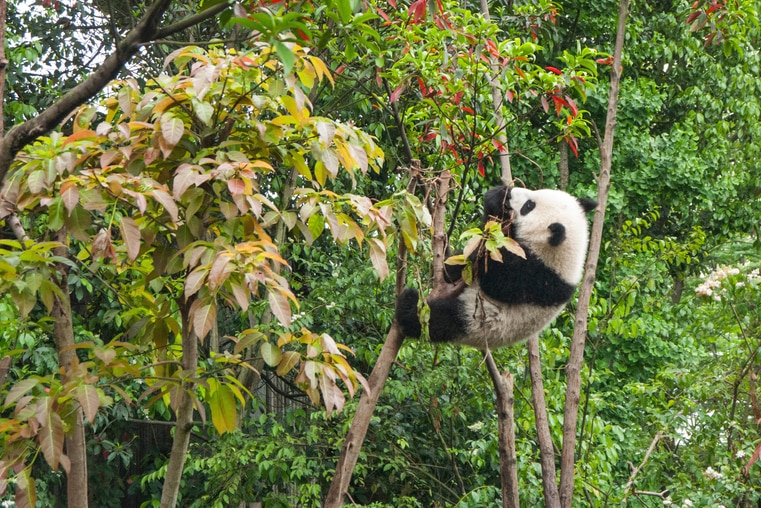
[63, 332]
[508, 461]
[546, 449]
[497, 102]
[361, 421]
[339, 486]
[573, 369]
[184, 424]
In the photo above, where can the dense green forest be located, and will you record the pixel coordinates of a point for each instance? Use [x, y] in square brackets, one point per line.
[208, 208]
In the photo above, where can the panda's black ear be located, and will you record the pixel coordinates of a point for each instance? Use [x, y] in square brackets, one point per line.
[587, 204]
[496, 203]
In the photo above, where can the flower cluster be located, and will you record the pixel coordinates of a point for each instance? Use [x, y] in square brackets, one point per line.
[715, 283]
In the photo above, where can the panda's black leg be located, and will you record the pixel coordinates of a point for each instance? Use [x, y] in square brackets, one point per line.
[406, 313]
[446, 323]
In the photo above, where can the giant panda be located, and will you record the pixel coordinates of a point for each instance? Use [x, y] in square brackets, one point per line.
[509, 301]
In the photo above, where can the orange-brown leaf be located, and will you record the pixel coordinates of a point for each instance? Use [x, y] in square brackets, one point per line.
[131, 237]
[50, 438]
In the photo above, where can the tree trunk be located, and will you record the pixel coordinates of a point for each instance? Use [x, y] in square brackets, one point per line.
[508, 461]
[184, 424]
[63, 331]
[546, 449]
[573, 369]
[367, 402]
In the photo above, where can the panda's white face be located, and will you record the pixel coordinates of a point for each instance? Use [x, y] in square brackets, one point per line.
[553, 225]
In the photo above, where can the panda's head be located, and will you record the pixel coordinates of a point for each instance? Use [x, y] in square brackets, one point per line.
[550, 223]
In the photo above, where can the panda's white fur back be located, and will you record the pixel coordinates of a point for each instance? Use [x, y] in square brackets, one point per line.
[494, 324]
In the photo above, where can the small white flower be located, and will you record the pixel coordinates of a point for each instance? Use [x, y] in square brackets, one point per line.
[687, 502]
[667, 502]
[740, 454]
[712, 474]
[733, 271]
[476, 426]
[739, 284]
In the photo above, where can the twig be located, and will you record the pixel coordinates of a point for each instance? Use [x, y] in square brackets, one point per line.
[637, 469]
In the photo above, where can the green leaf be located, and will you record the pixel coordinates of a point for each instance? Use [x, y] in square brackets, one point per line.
[286, 56]
[77, 223]
[56, 214]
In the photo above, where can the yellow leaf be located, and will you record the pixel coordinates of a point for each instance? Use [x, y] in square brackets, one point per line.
[223, 409]
[289, 360]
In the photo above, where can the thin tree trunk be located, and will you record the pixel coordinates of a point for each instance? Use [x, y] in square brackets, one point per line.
[497, 98]
[546, 450]
[563, 164]
[508, 461]
[361, 421]
[63, 331]
[339, 486]
[573, 369]
[184, 424]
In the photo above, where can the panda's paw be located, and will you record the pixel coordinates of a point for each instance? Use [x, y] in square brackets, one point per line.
[406, 313]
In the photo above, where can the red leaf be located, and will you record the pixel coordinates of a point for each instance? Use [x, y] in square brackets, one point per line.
[468, 110]
[559, 103]
[396, 93]
[383, 15]
[50, 438]
[554, 70]
[417, 10]
[752, 460]
[392, 3]
[422, 86]
[573, 144]
[509, 95]
[204, 316]
[545, 104]
[572, 105]
[605, 61]
[481, 168]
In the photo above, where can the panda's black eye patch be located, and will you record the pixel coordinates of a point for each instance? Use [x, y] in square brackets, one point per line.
[527, 207]
[557, 233]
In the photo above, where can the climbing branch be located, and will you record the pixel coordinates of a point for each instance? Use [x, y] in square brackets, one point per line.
[573, 369]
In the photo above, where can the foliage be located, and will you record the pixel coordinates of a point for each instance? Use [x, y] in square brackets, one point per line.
[223, 199]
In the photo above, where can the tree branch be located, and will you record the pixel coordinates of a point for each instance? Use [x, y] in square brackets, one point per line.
[339, 486]
[145, 31]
